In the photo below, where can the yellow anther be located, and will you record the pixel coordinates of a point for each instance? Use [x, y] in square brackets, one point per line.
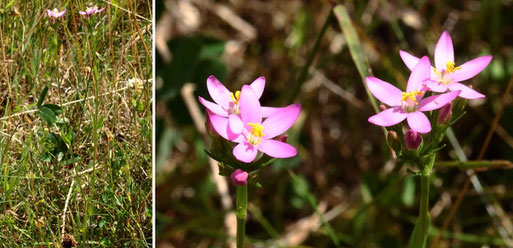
[236, 97]
[412, 95]
[256, 129]
[450, 67]
[437, 73]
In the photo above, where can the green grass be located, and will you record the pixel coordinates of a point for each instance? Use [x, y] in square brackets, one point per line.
[79, 161]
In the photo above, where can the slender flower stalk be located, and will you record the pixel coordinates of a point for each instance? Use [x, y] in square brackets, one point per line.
[241, 206]
[420, 233]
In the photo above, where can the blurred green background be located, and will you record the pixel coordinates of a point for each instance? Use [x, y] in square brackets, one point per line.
[344, 169]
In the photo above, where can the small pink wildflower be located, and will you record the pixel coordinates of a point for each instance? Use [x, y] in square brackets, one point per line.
[446, 75]
[90, 11]
[257, 135]
[410, 104]
[227, 104]
[53, 14]
[239, 177]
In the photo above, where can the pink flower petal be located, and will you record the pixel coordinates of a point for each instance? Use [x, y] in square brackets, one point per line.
[280, 121]
[471, 68]
[220, 124]
[444, 51]
[419, 75]
[82, 12]
[268, 111]
[220, 94]
[100, 10]
[59, 14]
[388, 117]
[419, 122]
[383, 91]
[258, 86]
[250, 110]
[466, 92]
[409, 60]
[235, 124]
[277, 149]
[437, 101]
[214, 108]
[245, 152]
[436, 86]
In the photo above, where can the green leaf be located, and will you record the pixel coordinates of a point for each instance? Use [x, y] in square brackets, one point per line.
[57, 110]
[355, 48]
[47, 115]
[42, 97]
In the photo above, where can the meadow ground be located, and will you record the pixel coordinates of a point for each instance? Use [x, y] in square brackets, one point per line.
[75, 124]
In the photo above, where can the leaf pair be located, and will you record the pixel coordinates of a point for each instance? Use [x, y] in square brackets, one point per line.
[48, 112]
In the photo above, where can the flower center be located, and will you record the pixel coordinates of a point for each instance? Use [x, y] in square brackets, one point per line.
[449, 68]
[235, 99]
[409, 100]
[256, 133]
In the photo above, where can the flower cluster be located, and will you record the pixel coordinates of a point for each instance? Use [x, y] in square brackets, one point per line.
[90, 11]
[423, 84]
[55, 13]
[239, 118]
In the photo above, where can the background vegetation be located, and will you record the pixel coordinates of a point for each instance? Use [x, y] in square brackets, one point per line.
[344, 188]
[75, 125]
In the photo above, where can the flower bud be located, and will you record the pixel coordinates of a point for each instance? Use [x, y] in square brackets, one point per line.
[393, 140]
[382, 107]
[282, 138]
[445, 114]
[239, 177]
[412, 140]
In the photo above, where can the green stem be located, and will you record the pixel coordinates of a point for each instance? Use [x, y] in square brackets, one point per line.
[420, 232]
[241, 207]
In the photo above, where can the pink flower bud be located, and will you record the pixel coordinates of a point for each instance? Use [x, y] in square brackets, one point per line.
[282, 138]
[393, 140]
[445, 114]
[239, 177]
[382, 107]
[412, 140]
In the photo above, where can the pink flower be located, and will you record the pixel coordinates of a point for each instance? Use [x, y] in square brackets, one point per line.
[90, 11]
[239, 177]
[257, 135]
[446, 76]
[227, 104]
[53, 14]
[410, 104]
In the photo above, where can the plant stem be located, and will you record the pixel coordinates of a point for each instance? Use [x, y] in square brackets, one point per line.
[241, 206]
[420, 232]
